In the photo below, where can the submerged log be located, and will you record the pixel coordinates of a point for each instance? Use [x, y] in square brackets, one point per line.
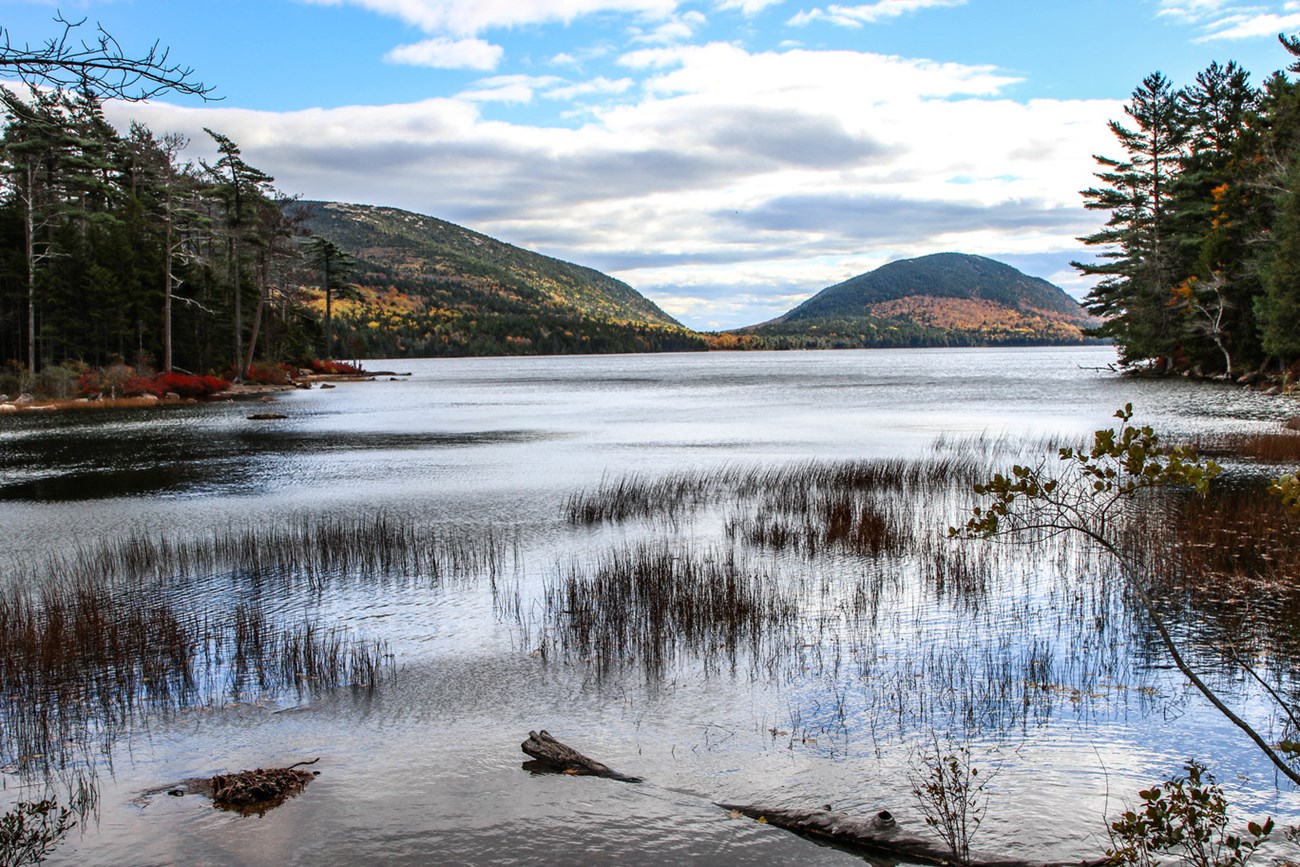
[247, 792]
[257, 791]
[872, 835]
[553, 755]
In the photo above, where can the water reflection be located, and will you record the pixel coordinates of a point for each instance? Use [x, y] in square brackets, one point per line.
[878, 630]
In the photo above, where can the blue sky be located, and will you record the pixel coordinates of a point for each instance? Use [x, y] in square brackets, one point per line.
[728, 158]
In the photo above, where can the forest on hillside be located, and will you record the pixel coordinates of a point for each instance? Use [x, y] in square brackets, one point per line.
[1199, 260]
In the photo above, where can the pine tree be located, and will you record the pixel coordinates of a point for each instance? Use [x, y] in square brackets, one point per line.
[1139, 259]
[1217, 214]
[334, 266]
[241, 186]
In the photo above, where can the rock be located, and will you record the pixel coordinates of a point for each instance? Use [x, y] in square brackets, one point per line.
[302, 371]
[8, 407]
[171, 395]
[4, 398]
[1272, 390]
[327, 385]
[24, 399]
[149, 398]
[302, 385]
[266, 416]
[266, 398]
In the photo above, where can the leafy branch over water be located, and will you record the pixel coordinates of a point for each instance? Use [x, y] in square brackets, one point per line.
[1095, 489]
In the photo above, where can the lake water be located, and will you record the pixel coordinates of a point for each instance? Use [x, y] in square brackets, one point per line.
[426, 770]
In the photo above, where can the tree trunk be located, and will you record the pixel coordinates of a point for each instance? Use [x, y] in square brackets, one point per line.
[29, 232]
[167, 289]
[238, 315]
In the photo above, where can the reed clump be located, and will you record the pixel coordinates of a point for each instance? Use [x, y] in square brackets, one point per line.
[309, 551]
[80, 661]
[1234, 556]
[797, 486]
[642, 603]
[1272, 447]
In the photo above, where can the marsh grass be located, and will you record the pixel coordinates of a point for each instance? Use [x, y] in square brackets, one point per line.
[306, 553]
[92, 641]
[843, 586]
[80, 661]
[1272, 447]
[642, 604]
[1233, 558]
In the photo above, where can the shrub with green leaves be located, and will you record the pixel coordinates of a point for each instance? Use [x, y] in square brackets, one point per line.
[1186, 817]
[31, 830]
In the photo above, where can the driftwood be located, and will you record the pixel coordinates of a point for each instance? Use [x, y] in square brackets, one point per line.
[874, 835]
[550, 754]
[247, 792]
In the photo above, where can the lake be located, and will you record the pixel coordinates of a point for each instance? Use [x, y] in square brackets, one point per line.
[834, 706]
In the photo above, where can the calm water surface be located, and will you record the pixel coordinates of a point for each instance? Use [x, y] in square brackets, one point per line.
[427, 770]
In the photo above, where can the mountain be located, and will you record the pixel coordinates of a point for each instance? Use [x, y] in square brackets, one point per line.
[946, 299]
[424, 287]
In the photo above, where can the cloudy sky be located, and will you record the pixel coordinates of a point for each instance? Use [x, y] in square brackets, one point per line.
[728, 158]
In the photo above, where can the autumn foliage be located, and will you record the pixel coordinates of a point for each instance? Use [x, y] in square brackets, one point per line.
[119, 380]
[334, 368]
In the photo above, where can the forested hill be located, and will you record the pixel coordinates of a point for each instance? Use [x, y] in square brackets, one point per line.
[420, 286]
[946, 299]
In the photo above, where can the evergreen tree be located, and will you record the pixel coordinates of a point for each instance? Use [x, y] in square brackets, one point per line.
[241, 186]
[1140, 254]
[1218, 212]
[334, 266]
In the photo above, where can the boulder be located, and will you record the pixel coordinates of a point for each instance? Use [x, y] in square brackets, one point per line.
[24, 399]
[8, 407]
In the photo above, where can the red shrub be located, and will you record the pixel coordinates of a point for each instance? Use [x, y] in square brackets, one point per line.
[268, 373]
[334, 368]
[188, 386]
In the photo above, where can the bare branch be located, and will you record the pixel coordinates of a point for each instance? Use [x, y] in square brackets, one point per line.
[97, 65]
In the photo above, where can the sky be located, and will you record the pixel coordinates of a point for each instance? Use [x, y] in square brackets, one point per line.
[727, 158]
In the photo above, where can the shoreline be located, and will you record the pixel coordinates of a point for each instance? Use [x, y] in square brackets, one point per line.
[236, 392]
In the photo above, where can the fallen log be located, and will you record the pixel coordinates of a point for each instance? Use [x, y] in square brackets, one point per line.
[872, 835]
[553, 755]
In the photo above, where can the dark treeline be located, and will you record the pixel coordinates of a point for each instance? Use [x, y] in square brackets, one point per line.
[114, 250]
[1200, 259]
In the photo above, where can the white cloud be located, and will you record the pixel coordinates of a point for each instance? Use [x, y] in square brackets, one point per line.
[470, 17]
[749, 7]
[747, 178]
[1192, 11]
[509, 88]
[1227, 20]
[679, 28]
[868, 13]
[594, 87]
[1267, 25]
[442, 53]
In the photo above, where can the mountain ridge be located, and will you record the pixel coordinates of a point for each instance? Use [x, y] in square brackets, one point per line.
[943, 299]
[427, 287]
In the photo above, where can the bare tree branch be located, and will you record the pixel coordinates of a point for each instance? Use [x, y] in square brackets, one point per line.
[97, 65]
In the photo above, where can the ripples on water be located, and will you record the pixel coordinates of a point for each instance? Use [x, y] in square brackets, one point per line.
[1029, 652]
